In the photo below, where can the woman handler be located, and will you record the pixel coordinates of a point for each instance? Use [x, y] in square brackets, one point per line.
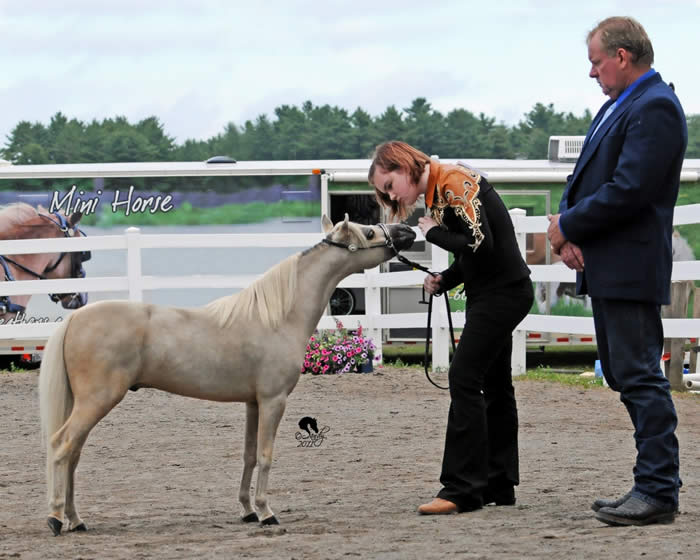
[469, 219]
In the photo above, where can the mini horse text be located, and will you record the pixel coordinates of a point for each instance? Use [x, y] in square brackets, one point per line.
[70, 203]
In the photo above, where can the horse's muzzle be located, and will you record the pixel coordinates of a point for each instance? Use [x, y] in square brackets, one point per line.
[402, 236]
[75, 301]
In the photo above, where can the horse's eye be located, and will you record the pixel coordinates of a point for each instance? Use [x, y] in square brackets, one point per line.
[370, 234]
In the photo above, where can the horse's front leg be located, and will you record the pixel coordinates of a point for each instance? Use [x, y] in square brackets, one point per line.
[249, 458]
[270, 414]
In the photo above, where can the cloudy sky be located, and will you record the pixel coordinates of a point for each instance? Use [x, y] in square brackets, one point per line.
[200, 64]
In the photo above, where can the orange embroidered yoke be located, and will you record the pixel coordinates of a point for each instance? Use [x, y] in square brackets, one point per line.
[456, 187]
[474, 225]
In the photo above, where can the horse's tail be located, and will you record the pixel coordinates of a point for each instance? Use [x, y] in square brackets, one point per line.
[55, 394]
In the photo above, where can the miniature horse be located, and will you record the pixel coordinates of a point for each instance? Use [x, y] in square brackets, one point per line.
[247, 347]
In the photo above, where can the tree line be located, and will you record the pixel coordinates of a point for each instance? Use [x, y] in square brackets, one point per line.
[306, 132]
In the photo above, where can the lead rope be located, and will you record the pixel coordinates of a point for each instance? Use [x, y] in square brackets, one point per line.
[428, 330]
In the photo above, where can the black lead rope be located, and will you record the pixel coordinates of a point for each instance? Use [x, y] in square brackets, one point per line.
[428, 331]
[389, 243]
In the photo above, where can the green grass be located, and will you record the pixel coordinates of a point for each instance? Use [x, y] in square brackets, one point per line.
[571, 309]
[570, 359]
[545, 374]
[533, 374]
[186, 214]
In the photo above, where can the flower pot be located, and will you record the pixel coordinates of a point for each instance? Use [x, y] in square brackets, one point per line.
[367, 367]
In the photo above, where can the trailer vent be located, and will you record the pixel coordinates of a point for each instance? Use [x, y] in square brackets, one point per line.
[565, 148]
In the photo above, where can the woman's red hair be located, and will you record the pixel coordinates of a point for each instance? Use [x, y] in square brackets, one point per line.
[392, 156]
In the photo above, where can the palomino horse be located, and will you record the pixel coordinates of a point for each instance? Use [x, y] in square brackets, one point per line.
[247, 347]
[21, 221]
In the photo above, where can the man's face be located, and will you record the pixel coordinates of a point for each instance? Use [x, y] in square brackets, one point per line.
[607, 70]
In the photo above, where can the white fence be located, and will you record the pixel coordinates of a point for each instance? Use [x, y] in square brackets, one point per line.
[135, 283]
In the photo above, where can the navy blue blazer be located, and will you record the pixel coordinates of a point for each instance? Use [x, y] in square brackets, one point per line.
[618, 203]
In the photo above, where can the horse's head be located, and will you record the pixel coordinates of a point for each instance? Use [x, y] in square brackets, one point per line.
[370, 245]
[68, 265]
[22, 221]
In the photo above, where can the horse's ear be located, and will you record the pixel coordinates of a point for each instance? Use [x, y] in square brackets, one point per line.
[346, 228]
[74, 218]
[326, 224]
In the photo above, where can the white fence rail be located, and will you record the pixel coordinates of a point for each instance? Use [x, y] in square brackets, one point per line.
[135, 283]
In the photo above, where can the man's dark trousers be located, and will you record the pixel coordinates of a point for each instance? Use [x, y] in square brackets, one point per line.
[630, 343]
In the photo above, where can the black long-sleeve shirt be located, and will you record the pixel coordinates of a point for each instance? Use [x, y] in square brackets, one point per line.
[475, 226]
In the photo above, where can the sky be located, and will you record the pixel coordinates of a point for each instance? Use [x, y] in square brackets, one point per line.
[198, 65]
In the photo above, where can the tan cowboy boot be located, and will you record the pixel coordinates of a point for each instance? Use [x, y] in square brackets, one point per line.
[438, 507]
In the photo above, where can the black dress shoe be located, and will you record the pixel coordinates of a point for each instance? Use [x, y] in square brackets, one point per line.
[636, 512]
[501, 497]
[601, 503]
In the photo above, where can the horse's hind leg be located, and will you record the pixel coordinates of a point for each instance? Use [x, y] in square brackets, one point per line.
[249, 459]
[66, 445]
[74, 521]
[270, 414]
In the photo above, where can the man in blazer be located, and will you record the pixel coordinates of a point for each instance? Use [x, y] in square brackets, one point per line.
[614, 228]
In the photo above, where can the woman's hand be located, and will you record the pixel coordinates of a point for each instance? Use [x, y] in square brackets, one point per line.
[431, 284]
[426, 223]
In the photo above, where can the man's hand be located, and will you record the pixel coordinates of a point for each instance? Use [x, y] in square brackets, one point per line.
[426, 223]
[571, 256]
[431, 284]
[556, 238]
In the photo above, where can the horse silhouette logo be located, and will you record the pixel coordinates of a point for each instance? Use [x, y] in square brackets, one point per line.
[307, 422]
[313, 436]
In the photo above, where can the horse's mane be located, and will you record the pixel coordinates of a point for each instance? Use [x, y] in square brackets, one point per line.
[269, 298]
[13, 216]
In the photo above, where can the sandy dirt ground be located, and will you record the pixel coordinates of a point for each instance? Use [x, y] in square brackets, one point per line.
[159, 478]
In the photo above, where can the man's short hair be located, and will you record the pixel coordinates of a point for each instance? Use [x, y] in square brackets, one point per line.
[625, 33]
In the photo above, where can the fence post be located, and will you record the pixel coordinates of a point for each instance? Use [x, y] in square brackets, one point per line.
[695, 350]
[133, 263]
[440, 333]
[373, 309]
[517, 360]
[678, 308]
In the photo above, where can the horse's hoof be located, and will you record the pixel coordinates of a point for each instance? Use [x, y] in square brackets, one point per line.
[78, 528]
[270, 521]
[55, 525]
[250, 518]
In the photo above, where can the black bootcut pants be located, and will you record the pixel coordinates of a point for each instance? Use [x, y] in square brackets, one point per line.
[481, 447]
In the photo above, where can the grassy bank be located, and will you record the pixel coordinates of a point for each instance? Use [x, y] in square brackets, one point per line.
[567, 359]
[188, 215]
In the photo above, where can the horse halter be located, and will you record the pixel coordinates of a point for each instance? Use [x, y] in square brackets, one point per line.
[77, 270]
[389, 243]
[352, 247]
